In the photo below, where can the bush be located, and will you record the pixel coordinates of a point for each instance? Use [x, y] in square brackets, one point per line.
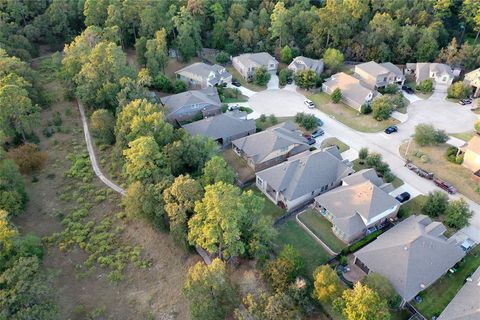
[451, 154]
[179, 86]
[459, 90]
[426, 134]
[162, 83]
[426, 86]
[362, 242]
[458, 214]
[336, 95]
[28, 158]
[306, 121]
[363, 153]
[365, 108]
[333, 59]
[477, 126]
[273, 120]
[306, 79]
[261, 77]
[263, 117]
[391, 89]
[57, 119]
[436, 204]
[102, 123]
[382, 108]
[222, 57]
[283, 76]
[286, 55]
[425, 158]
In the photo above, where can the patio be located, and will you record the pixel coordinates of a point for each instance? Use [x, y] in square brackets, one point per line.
[355, 273]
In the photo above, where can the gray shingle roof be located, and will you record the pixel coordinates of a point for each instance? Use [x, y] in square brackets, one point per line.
[301, 62]
[392, 68]
[255, 59]
[220, 126]
[372, 68]
[350, 86]
[305, 173]
[203, 70]
[412, 255]
[466, 304]
[177, 101]
[261, 145]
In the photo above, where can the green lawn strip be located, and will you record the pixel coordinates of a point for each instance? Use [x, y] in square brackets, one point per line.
[349, 116]
[234, 100]
[292, 233]
[465, 136]
[322, 228]
[267, 123]
[335, 142]
[414, 206]
[397, 182]
[269, 208]
[237, 76]
[439, 295]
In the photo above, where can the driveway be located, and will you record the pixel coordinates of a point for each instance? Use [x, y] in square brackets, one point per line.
[274, 82]
[245, 91]
[280, 102]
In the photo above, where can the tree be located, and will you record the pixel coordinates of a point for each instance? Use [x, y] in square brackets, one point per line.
[477, 126]
[279, 27]
[102, 124]
[12, 188]
[459, 90]
[306, 121]
[216, 169]
[436, 204]
[278, 306]
[28, 158]
[391, 88]
[222, 57]
[458, 214]
[209, 291]
[382, 108]
[144, 161]
[306, 79]
[140, 50]
[284, 75]
[261, 77]
[179, 86]
[135, 89]
[425, 86]
[362, 303]
[286, 55]
[327, 284]
[363, 153]
[426, 134]
[336, 95]
[333, 59]
[188, 41]
[162, 83]
[156, 54]
[7, 232]
[383, 287]
[283, 270]
[180, 200]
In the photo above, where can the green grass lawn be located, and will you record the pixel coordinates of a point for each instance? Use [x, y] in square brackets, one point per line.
[262, 125]
[313, 253]
[249, 85]
[348, 115]
[437, 297]
[322, 228]
[397, 182]
[269, 208]
[335, 142]
[414, 206]
[465, 136]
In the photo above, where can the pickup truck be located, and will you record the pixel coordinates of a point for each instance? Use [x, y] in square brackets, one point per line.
[445, 186]
[422, 173]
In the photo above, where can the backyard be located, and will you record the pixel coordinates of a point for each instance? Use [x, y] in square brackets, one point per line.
[243, 172]
[437, 297]
[458, 176]
[269, 208]
[357, 166]
[322, 228]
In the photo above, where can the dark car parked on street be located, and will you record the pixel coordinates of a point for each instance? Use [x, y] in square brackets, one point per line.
[236, 83]
[317, 133]
[402, 197]
[311, 141]
[408, 90]
[391, 129]
[445, 186]
[464, 102]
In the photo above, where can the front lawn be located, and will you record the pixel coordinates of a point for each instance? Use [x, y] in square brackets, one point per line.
[414, 206]
[460, 177]
[348, 115]
[342, 147]
[291, 233]
[269, 208]
[439, 295]
[322, 228]
[249, 85]
[397, 182]
[262, 125]
[465, 136]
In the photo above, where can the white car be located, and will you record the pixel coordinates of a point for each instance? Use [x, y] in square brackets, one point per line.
[309, 104]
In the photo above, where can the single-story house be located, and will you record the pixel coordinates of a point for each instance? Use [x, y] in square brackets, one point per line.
[466, 303]
[297, 181]
[473, 79]
[304, 63]
[271, 146]
[412, 255]
[471, 157]
[202, 75]
[187, 105]
[246, 64]
[223, 128]
[362, 202]
[375, 75]
[439, 72]
[354, 93]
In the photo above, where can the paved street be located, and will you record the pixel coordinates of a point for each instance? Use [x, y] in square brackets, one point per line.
[436, 110]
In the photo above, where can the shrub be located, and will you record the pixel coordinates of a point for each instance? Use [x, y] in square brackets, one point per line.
[261, 77]
[391, 89]
[179, 86]
[343, 260]
[263, 117]
[28, 158]
[426, 86]
[425, 158]
[365, 108]
[286, 55]
[222, 57]
[57, 119]
[306, 79]
[336, 95]
[451, 154]
[459, 90]
[436, 204]
[382, 108]
[363, 153]
[162, 83]
[273, 120]
[333, 59]
[306, 121]
[283, 76]
[458, 214]
[477, 126]
[426, 134]
[102, 123]
[362, 242]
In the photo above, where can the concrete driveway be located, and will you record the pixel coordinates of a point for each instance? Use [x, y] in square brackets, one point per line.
[280, 102]
[274, 82]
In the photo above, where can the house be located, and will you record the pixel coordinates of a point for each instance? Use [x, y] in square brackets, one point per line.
[362, 202]
[354, 93]
[304, 63]
[302, 177]
[471, 157]
[270, 147]
[473, 79]
[440, 73]
[376, 75]
[246, 64]
[187, 105]
[223, 128]
[412, 255]
[466, 303]
[202, 75]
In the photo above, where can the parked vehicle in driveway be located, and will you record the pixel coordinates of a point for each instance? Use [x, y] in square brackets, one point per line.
[289, 80]
[464, 102]
[319, 121]
[311, 141]
[402, 197]
[318, 133]
[408, 90]
[236, 83]
[391, 129]
[309, 104]
[445, 186]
